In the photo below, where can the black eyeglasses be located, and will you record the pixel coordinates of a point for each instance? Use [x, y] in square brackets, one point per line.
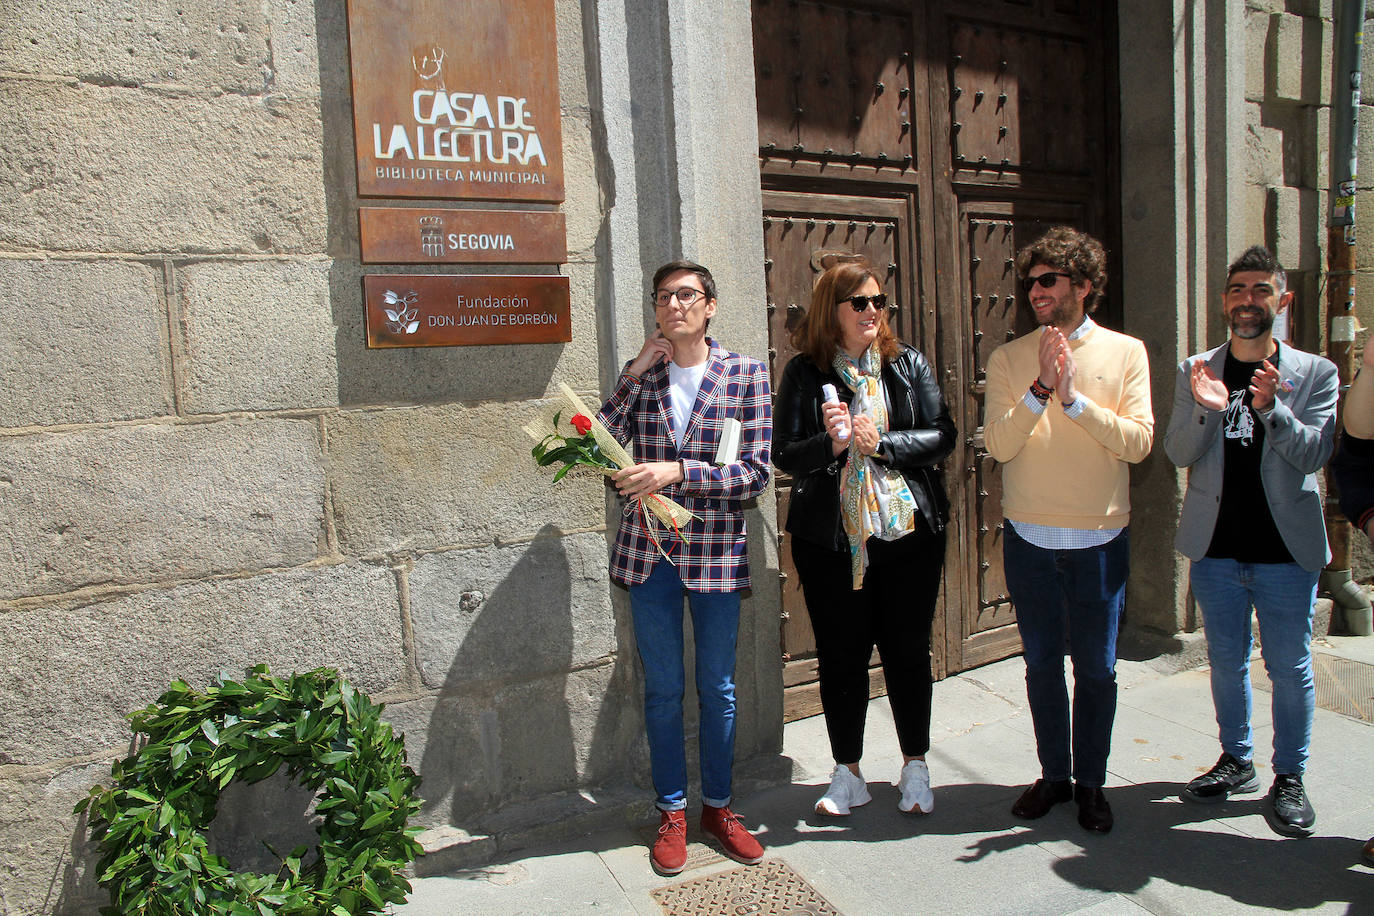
[861, 303]
[1044, 281]
[687, 295]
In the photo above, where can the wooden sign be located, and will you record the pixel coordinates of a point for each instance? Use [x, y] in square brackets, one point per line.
[428, 310]
[456, 99]
[401, 235]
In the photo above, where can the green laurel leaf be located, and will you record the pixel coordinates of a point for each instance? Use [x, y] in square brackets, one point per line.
[150, 822]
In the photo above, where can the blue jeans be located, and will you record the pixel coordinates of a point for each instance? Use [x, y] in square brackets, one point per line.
[1078, 593]
[1282, 595]
[657, 608]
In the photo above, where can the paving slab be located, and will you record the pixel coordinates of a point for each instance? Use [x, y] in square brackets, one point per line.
[564, 882]
[970, 855]
[1149, 747]
[1355, 648]
[1184, 699]
[1113, 906]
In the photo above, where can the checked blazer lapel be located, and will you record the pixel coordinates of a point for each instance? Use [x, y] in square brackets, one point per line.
[706, 396]
[659, 388]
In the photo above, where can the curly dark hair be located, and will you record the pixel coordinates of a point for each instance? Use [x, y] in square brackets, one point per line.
[1075, 253]
[819, 335]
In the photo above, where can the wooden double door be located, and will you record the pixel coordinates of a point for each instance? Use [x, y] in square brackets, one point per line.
[934, 137]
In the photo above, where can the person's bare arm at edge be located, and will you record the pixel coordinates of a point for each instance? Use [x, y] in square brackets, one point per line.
[1359, 400]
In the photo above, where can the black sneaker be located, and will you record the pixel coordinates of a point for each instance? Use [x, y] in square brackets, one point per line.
[1289, 812]
[1229, 777]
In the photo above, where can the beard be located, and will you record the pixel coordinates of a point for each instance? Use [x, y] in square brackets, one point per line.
[1249, 328]
[1059, 314]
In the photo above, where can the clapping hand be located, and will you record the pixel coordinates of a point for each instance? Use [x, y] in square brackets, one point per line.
[1058, 371]
[1068, 374]
[1263, 386]
[1053, 350]
[1208, 390]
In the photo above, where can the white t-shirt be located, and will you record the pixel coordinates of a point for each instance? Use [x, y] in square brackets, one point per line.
[683, 387]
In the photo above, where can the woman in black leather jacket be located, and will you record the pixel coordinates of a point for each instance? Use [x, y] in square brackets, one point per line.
[878, 486]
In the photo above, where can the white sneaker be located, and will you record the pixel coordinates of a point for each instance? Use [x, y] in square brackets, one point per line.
[846, 791]
[915, 788]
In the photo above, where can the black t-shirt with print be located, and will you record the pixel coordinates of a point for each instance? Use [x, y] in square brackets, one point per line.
[1245, 528]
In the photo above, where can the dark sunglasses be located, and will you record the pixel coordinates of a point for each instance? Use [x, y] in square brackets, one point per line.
[861, 303]
[1044, 281]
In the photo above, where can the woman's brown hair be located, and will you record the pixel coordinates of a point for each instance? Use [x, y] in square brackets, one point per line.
[819, 335]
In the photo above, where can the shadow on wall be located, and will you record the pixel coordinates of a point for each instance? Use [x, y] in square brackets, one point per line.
[520, 718]
[74, 890]
[251, 821]
[537, 711]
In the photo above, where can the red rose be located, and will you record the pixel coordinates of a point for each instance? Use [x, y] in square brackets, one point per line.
[582, 424]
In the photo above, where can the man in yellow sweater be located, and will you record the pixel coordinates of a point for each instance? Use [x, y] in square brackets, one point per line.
[1068, 408]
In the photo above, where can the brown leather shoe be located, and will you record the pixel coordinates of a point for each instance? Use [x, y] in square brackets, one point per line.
[736, 842]
[1093, 811]
[1040, 797]
[1367, 854]
[670, 849]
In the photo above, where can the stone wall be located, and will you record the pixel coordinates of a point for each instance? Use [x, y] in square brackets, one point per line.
[1226, 112]
[1364, 251]
[1289, 90]
[1286, 146]
[203, 468]
[1362, 557]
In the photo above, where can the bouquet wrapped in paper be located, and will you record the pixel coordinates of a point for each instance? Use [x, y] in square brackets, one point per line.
[594, 447]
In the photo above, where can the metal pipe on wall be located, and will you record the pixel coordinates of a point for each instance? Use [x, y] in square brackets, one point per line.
[1340, 285]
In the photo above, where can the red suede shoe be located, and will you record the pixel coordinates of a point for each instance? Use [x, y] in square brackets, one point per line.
[736, 842]
[670, 849]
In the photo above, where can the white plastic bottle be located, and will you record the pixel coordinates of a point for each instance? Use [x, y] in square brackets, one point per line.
[833, 397]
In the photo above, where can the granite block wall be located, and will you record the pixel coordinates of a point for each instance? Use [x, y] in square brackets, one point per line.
[203, 468]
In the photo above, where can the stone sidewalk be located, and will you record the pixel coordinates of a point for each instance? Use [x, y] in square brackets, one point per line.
[971, 856]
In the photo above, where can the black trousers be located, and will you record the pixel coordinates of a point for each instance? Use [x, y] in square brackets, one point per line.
[893, 611]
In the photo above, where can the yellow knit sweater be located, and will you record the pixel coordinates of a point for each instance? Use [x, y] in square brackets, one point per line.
[1070, 473]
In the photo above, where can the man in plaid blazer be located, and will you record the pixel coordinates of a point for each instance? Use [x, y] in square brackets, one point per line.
[701, 421]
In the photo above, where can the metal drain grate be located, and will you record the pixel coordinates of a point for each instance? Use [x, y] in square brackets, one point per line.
[1342, 685]
[771, 888]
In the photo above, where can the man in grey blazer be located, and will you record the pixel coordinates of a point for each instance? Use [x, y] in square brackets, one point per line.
[1255, 421]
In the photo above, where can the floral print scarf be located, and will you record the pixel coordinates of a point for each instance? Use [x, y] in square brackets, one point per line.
[875, 500]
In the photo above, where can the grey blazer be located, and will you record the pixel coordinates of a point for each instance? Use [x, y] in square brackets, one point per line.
[1299, 433]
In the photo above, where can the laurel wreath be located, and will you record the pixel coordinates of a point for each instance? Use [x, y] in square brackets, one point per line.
[150, 825]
